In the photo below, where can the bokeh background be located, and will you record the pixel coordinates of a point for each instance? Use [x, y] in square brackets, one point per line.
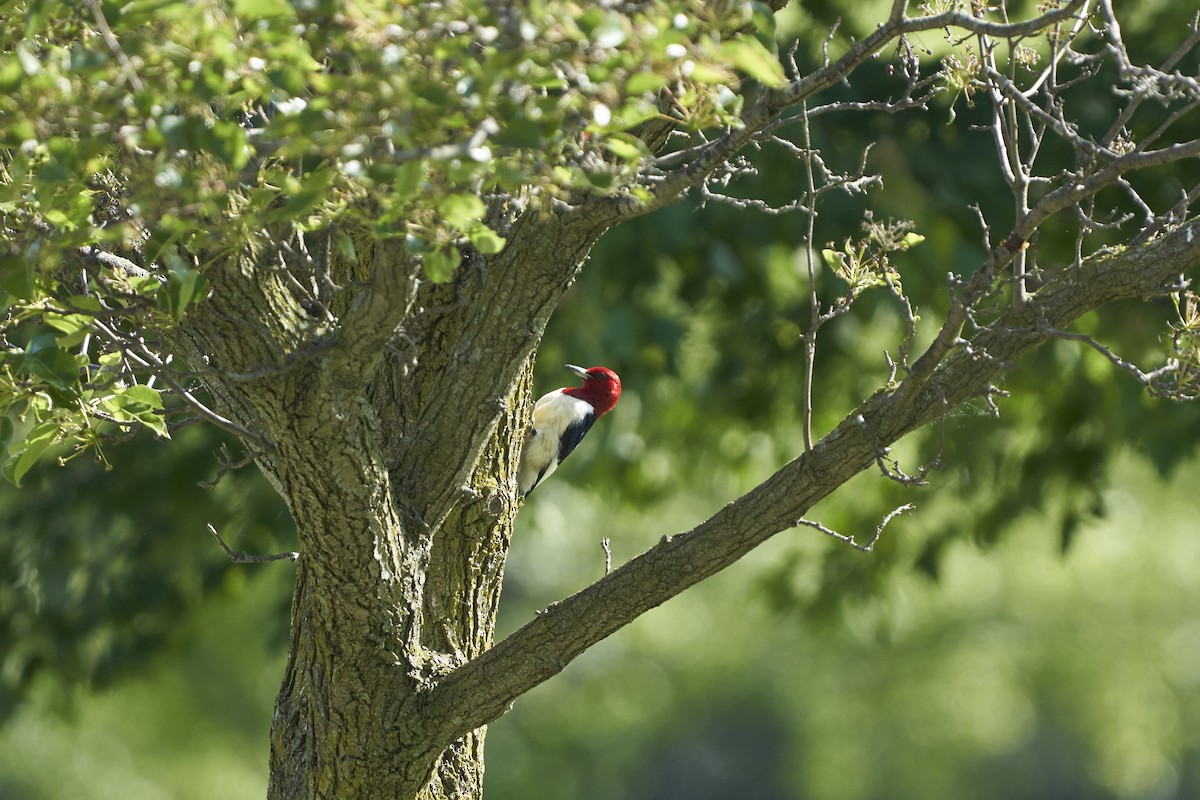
[1031, 630]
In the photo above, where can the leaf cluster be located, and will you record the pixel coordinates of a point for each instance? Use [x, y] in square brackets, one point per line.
[144, 143]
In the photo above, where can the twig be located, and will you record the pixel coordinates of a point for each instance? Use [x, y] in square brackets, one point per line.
[607, 556]
[228, 465]
[1147, 379]
[113, 260]
[883, 456]
[703, 159]
[810, 335]
[111, 40]
[850, 540]
[147, 359]
[246, 558]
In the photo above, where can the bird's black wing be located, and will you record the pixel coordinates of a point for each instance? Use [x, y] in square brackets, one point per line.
[573, 435]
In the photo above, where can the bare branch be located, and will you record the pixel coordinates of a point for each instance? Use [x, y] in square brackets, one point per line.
[110, 40]
[227, 465]
[814, 321]
[1152, 380]
[110, 260]
[704, 159]
[1073, 191]
[889, 466]
[246, 558]
[850, 540]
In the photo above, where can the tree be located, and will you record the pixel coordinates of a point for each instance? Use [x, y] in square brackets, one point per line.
[338, 233]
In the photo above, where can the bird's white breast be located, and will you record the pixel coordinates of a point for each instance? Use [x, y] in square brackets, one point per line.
[552, 414]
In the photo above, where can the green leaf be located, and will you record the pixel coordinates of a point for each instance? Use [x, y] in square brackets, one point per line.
[16, 276]
[642, 82]
[161, 238]
[36, 442]
[305, 196]
[141, 11]
[44, 359]
[709, 73]
[626, 147]
[486, 240]
[184, 286]
[600, 180]
[73, 327]
[258, 9]
[440, 264]
[520, 131]
[345, 246]
[11, 76]
[228, 141]
[460, 210]
[409, 178]
[763, 19]
[155, 422]
[146, 395]
[912, 239]
[752, 58]
[142, 403]
[114, 406]
[36, 17]
[634, 112]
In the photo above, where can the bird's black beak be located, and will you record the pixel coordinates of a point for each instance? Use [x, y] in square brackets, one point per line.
[580, 371]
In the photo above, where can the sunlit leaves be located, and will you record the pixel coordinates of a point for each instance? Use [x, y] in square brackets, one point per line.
[865, 262]
[441, 263]
[460, 210]
[175, 135]
[485, 240]
[751, 57]
[447, 99]
[1183, 346]
[138, 403]
[39, 439]
[256, 9]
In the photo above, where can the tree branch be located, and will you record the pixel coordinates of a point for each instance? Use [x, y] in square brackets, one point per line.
[705, 158]
[484, 688]
[248, 558]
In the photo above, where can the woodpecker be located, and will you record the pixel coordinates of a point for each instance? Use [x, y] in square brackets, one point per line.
[560, 420]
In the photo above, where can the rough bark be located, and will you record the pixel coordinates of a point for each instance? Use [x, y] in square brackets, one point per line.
[398, 468]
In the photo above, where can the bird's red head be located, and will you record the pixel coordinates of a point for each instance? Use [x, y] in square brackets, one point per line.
[601, 387]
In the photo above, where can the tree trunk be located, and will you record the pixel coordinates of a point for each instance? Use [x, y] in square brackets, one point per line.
[377, 617]
[390, 418]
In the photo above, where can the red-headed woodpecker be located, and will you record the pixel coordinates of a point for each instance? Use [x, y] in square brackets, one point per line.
[560, 420]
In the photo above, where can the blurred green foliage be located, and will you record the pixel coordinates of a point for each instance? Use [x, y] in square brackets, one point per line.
[1028, 631]
[101, 566]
